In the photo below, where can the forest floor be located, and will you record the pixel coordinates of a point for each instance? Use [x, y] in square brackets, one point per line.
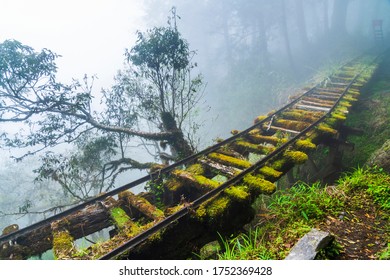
[362, 232]
[362, 229]
[356, 212]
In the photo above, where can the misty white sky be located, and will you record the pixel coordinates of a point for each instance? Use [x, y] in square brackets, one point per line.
[90, 35]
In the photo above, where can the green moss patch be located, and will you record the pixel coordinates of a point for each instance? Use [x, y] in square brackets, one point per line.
[230, 161]
[296, 157]
[213, 209]
[119, 217]
[269, 173]
[174, 184]
[238, 193]
[326, 129]
[62, 244]
[208, 183]
[259, 185]
[305, 145]
[292, 125]
[259, 139]
[249, 147]
[196, 169]
[301, 115]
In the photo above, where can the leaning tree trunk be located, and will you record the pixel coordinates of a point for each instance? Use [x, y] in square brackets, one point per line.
[179, 145]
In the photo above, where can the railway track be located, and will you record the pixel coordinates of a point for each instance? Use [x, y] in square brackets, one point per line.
[207, 187]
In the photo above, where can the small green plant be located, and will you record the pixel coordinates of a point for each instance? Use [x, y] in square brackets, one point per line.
[308, 202]
[385, 254]
[228, 249]
[289, 214]
[330, 252]
[157, 188]
[246, 246]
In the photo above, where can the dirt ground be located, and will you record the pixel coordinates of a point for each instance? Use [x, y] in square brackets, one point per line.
[361, 230]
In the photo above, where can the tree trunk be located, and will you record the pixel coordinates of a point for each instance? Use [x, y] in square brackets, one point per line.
[284, 30]
[179, 145]
[339, 16]
[225, 31]
[326, 17]
[300, 14]
[87, 221]
[262, 40]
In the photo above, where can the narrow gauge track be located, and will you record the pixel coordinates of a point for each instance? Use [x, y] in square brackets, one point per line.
[244, 165]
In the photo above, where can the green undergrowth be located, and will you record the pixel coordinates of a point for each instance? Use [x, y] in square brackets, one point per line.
[371, 115]
[289, 214]
[385, 254]
[374, 181]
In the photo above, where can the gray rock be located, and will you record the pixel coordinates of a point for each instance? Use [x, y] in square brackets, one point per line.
[381, 157]
[309, 245]
[210, 250]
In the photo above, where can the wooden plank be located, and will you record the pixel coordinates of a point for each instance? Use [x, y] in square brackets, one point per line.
[283, 129]
[311, 108]
[231, 153]
[326, 96]
[319, 100]
[142, 205]
[327, 93]
[82, 223]
[338, 84]
[311, 103]
[331, 90]
[229, 171]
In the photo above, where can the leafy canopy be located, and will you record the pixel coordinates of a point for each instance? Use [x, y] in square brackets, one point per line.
[151, 105]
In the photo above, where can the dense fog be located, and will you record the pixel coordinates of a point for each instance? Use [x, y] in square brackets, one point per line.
[252, 56]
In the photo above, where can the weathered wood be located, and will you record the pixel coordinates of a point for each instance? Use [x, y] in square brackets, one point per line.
[322, 93]
[319, 101]
[331, 90]
[311, 103]
[255, 136]
[142, 205]
[326, 96]
[296, 125]
[312, 108]
[220, 168]
[82, 223]
[276, 128]
[344, 78]
[302, 115]
[9, 229]
[198, 181]
[229, 160]
[338, 84]
[230, 152]
[244, 147]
